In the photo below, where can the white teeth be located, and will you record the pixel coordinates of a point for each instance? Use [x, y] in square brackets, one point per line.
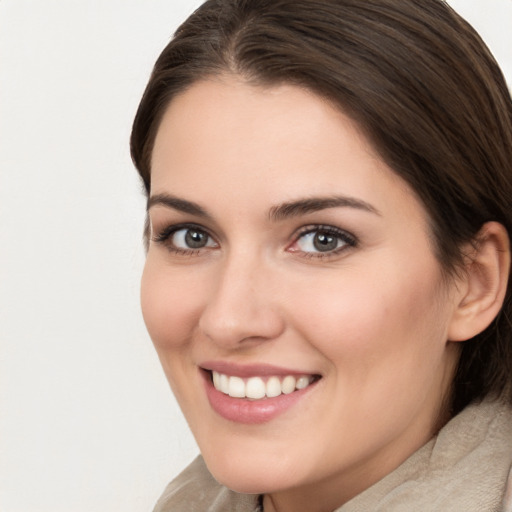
[224, 384]
[256, 388]
[236, 387]
[273, 387]
[288, 385]
[216, 380]
[302, 382]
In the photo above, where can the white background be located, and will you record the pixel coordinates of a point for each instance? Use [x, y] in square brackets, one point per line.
[87, 423]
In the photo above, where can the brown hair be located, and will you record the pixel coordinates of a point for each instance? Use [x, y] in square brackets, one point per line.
[418, 80]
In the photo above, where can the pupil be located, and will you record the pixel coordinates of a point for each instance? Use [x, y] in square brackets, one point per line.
[196, 239]
[324, 242]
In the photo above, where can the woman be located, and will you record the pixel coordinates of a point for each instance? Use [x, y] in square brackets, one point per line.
[327, 279]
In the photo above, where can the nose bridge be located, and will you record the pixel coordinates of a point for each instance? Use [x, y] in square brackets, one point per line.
[241, 306]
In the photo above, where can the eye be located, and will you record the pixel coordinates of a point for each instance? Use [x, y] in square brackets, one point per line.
[322, 240]
[185, 239]
[191, 238]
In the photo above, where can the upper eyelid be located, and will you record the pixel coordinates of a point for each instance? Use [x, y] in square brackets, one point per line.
[163, 222]
[169, 229]
[304, 230]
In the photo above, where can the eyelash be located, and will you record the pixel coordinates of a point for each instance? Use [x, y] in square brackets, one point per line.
[349, 240]
[166, 234]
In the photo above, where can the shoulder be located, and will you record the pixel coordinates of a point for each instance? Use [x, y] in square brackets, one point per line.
[465, 467]
[195, 490]
[470, 460]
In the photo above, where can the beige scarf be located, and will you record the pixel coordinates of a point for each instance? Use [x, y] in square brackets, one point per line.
[463, 469]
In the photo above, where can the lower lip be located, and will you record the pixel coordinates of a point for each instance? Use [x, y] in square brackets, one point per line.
[243, 410]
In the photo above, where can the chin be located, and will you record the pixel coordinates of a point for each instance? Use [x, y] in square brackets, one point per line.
[249, 481]
[250, 475]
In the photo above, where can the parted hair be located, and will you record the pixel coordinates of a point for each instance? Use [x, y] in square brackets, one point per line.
[420, 83]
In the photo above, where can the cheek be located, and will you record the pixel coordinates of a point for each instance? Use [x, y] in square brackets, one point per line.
[384, 340]
[370, 318]
[170, 306]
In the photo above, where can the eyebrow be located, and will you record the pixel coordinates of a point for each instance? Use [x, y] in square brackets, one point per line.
[277, 213]
[176, 203]
[314, 204]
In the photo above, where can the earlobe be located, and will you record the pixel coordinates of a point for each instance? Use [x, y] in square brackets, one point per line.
[484, 284]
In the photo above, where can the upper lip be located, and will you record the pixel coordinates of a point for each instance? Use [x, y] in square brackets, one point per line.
[251, 370]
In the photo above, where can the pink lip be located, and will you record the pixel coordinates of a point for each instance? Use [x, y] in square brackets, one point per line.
[246, 411]
[250, 370]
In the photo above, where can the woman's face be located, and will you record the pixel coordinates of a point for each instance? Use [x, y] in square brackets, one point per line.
[290, 262]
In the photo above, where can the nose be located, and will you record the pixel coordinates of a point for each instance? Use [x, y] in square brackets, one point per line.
[243, 306]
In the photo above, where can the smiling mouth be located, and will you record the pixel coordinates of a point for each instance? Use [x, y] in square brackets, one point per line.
[258, 388]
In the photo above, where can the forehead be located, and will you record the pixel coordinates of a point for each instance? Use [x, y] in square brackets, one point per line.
[268, 145]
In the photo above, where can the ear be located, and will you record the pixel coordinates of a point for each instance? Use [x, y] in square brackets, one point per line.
[483, 284]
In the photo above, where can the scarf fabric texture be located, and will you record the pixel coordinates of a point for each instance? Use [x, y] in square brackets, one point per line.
[466, 467]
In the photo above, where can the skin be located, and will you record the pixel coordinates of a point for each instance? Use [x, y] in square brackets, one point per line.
[371, 319]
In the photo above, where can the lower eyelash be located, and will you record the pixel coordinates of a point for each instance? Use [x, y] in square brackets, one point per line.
[184, 252]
